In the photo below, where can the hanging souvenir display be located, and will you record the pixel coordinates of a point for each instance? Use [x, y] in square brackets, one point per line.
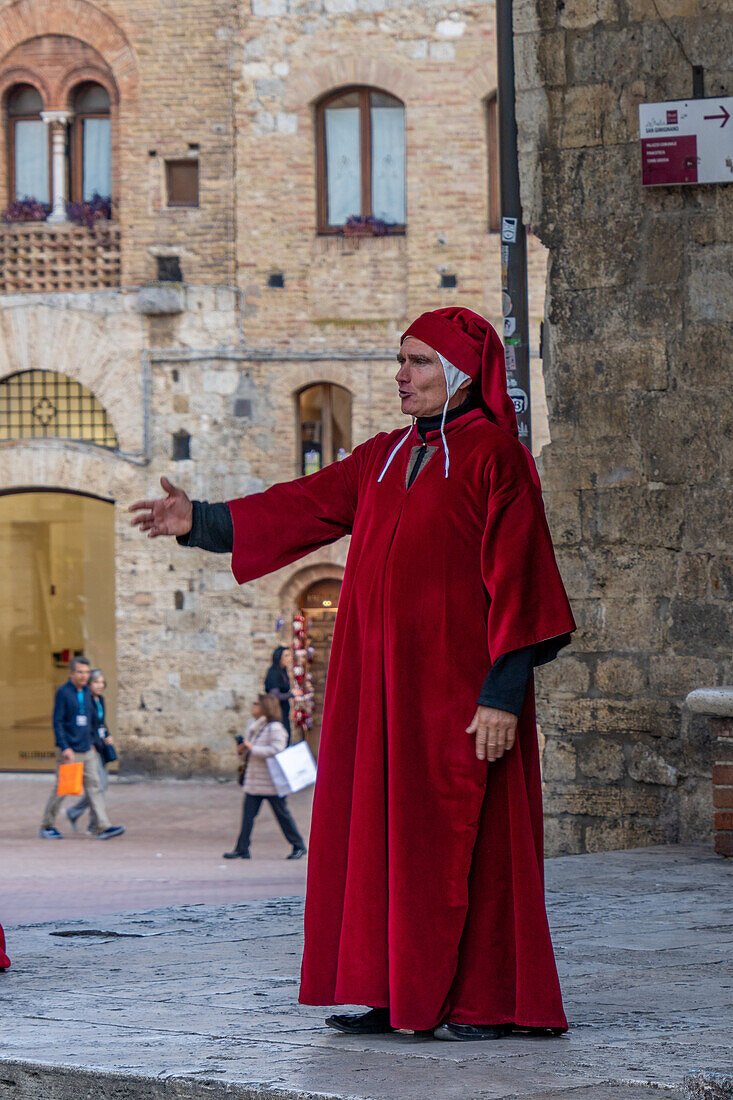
[302, 691]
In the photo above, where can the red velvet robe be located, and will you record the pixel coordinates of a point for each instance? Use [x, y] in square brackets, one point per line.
[425, 879]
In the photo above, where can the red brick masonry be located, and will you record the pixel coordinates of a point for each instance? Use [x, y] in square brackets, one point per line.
[722, 731]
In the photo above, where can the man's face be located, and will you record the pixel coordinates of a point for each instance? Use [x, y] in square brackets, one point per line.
[421, 381]
[80, 676]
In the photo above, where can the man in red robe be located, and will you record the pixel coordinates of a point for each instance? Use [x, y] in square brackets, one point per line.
[425, 896]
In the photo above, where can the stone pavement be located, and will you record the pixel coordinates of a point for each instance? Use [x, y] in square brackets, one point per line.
[195, 1001]
[171, 853]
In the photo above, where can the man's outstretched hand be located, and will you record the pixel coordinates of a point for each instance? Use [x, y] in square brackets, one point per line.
[495, 732]
[170, 515]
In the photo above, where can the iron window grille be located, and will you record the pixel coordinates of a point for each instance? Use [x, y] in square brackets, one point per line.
[42, 404]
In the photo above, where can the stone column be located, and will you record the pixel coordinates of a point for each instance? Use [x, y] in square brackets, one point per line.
[58, 120]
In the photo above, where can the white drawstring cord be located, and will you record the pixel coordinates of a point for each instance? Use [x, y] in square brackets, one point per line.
[453, 379]
[394, 452]
[442, 436]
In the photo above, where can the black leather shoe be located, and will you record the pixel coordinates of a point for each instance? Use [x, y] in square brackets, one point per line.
[469, 1033]
[297, 853]
[236, 855]
[373, 1022]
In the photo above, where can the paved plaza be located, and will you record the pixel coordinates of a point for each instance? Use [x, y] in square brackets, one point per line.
[184, 997]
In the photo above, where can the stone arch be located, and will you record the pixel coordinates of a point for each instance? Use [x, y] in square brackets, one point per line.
[79, 346]
[327, 374]
[307, 84]
[304, 578]
[21, 75]
[96, 74]
[60, 464]
[481, 81]
[26, 19]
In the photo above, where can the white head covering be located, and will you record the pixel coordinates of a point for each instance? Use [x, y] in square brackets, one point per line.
[454, 378]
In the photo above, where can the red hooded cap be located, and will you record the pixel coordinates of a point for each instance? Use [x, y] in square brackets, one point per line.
[470, 343]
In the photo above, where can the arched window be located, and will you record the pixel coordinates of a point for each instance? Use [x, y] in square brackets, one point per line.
[42, 404]
[28, 145]
[361, 159]
[91, 146]
[323, 427]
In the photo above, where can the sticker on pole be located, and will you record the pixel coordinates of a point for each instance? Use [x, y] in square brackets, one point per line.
[519, 399]
[509, 230]
[686, 141]
[510, 326]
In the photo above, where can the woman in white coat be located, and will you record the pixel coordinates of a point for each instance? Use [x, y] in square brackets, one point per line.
[265, 736]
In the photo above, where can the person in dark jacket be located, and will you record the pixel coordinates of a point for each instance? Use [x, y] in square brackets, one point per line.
[105, 752]
[277, 683]
[72, 728]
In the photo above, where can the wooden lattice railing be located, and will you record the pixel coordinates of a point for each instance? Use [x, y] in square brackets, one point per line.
[41, 258]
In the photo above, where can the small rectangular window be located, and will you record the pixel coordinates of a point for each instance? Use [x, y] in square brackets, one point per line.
[182, 182]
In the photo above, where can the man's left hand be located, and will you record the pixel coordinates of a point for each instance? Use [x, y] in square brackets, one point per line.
[495, 732]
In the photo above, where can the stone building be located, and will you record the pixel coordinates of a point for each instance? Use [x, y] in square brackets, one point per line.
[638, 372]
[216, 323]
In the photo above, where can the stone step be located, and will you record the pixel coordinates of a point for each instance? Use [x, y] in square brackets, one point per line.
[41, 1081]
[709, 1085]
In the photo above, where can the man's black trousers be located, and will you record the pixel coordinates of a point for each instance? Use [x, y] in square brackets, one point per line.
[251, 808]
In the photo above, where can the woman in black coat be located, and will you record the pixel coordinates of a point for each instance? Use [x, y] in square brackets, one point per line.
[277, 682]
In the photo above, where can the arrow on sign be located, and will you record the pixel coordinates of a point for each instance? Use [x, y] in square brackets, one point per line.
[725, 116]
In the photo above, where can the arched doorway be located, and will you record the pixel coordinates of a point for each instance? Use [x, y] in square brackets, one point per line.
[56, 600]
[319, 604]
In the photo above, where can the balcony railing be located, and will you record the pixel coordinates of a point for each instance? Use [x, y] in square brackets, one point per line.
[38, 258]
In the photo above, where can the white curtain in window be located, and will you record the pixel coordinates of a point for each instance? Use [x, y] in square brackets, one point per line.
[31, 160]
[388, 164]
[343, 163]
[97, 157]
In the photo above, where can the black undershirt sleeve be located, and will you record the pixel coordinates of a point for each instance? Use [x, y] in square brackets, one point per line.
[211, 528]
[506, 684]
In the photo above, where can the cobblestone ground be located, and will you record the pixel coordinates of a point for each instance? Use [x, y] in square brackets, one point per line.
[182, 1000]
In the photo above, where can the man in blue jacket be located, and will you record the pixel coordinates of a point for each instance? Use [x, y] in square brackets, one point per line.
[72, 729]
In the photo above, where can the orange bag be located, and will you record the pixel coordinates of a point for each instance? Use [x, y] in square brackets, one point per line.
[71, 779]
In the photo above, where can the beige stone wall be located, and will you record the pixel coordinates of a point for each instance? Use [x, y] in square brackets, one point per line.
[637, 476]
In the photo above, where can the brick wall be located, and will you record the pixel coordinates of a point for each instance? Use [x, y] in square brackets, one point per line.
[169, 64]
[722, 737]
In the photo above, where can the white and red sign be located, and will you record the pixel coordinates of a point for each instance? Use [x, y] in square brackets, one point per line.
[686, 141]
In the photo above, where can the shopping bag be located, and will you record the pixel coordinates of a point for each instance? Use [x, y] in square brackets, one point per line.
[292, 769]
[71, 779]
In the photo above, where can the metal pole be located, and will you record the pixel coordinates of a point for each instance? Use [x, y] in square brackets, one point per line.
[513, 236]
